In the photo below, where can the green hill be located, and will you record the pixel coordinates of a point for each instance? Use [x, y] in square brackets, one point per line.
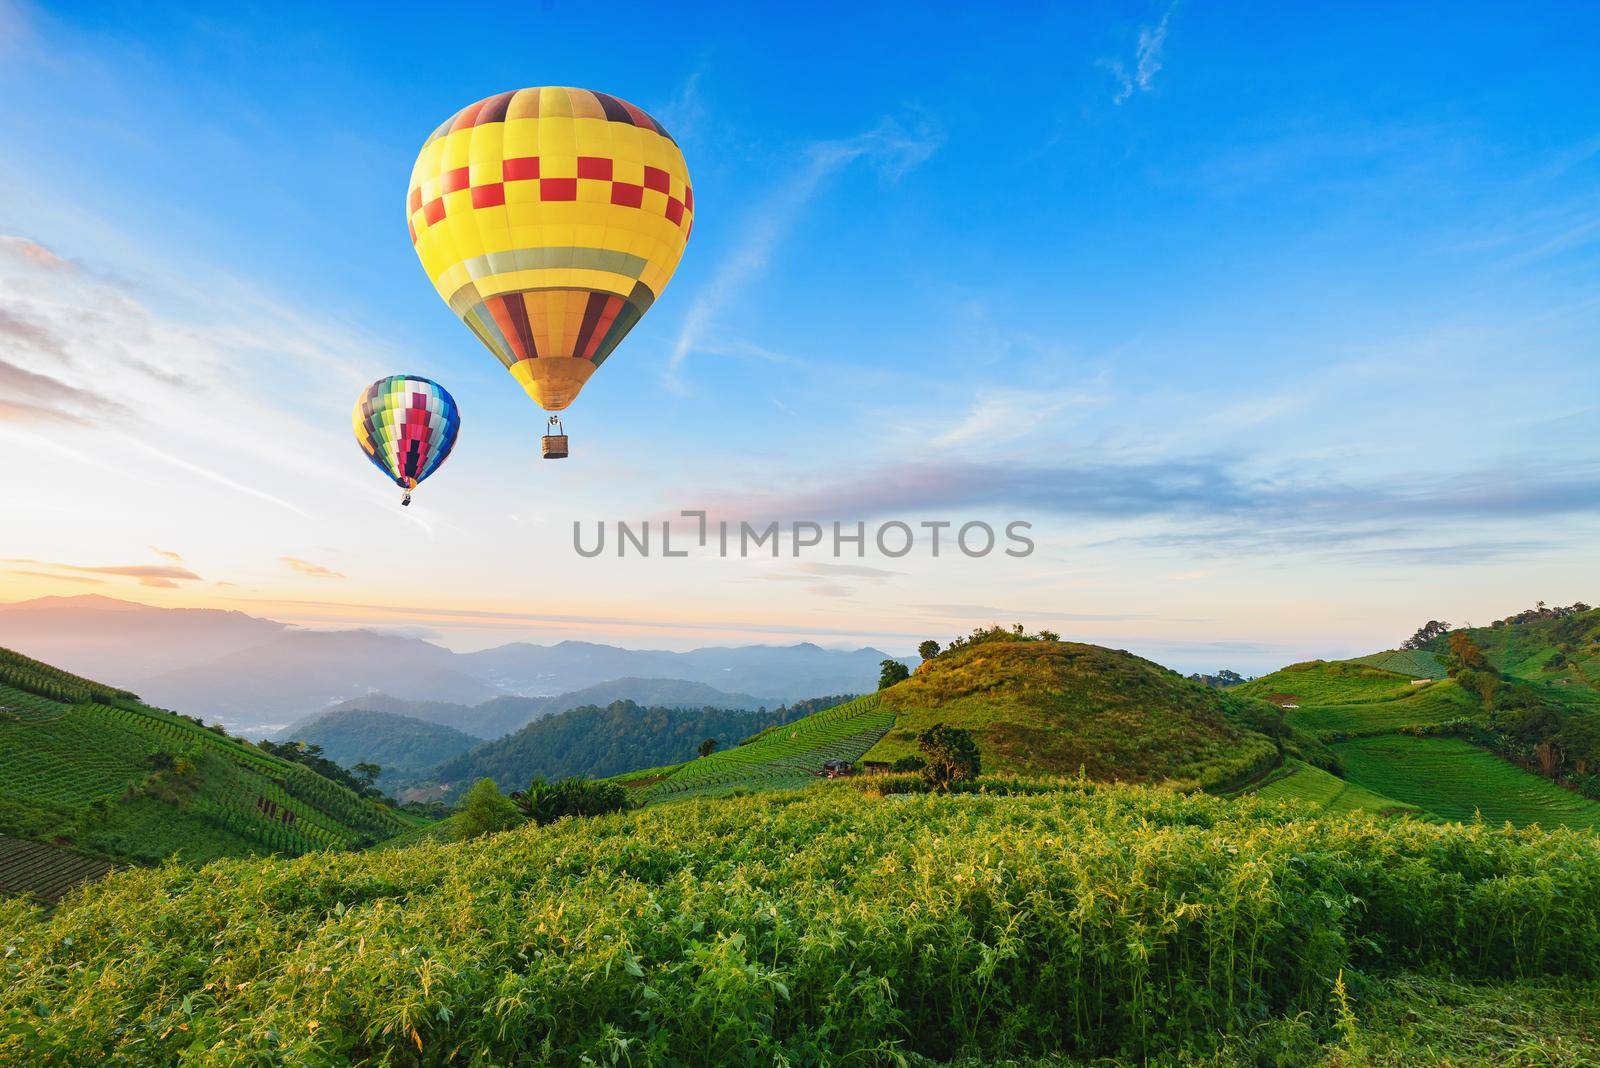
[594, 742]
[88, 766]
[1052, 707]
[1034, 707]
[790, 754]
[1526, 731]
[1326, 793]
[1559, 648]
[402, 746]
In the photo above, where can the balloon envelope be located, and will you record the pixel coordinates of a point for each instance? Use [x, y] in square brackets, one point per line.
[406, 425]
[550, 219]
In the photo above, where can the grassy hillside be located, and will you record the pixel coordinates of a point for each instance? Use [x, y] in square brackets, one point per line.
[820, 925]
[1425, 705]
[1326, 793]
[1322, 682]
[781, 756]
[1455, 780]
[1049, 707]
[44, 871]
[593, 742]
[115, 778]
[403, 747]
[1416, 663]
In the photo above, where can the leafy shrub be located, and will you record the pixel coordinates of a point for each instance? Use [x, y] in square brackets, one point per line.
[485, 810]
[546, 802]
[949, 756]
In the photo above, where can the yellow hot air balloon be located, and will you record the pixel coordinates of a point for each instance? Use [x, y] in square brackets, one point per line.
[550, 219]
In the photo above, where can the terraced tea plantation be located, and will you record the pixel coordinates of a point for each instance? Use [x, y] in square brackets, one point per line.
[1326, 793]
[88, 764]
[1426, 704]
[1418, 663]
[790, 755]
[43, 871]
[1455, 780]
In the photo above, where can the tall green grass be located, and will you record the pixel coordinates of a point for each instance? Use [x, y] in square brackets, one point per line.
[803, 927]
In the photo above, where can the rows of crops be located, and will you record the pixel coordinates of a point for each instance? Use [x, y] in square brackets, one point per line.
[319, 795]
[1430, 703]
[1418, 663]
[75, 759]
[784, 756]
[1325, 792]
[44, 871]
[26, 673]
[29, 706]
[1458, 781]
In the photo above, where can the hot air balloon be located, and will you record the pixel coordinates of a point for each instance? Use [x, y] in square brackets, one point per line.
[550, 219]
[406, 424]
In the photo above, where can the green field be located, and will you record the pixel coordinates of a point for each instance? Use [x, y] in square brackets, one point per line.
[44, 871]
[820, 925]
[1326, 793]
[1423, 705]
[86, 764]
[1326, 682]
[790, 755]
[1417, 663]
[1455, 780]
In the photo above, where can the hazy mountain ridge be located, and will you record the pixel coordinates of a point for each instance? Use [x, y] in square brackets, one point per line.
[256, 675]
[509, 712]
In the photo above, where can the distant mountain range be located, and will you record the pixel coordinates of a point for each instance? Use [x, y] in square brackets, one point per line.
[787, 672]
[257, 675]
[502, 715]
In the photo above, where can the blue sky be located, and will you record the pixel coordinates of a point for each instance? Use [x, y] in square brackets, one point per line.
[1278, 322]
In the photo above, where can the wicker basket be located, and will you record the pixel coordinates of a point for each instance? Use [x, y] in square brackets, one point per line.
[553, 446]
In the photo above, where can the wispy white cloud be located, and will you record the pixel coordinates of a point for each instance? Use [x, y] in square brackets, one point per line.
[890, 146]
[162, 576]
[1001, 415]
[167, 554]
[306, 567]
[1147, 60]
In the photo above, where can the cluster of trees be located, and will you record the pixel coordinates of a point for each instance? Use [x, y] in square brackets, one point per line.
[1425, 635]
[485, 810]
[593, 743]
[893, 671]
[361, 779]
[1525, 723]
[1223, 679]
[1539, 611]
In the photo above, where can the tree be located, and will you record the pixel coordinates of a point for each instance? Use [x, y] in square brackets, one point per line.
[928, 649]
[949, 756]
[708, 747]
[368, 773]
[1426, 633]
[891, 672]
[1464, 652]
[485, 810]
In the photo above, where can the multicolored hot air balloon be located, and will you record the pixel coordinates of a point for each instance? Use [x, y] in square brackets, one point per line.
[406, 424]
[550, 220]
